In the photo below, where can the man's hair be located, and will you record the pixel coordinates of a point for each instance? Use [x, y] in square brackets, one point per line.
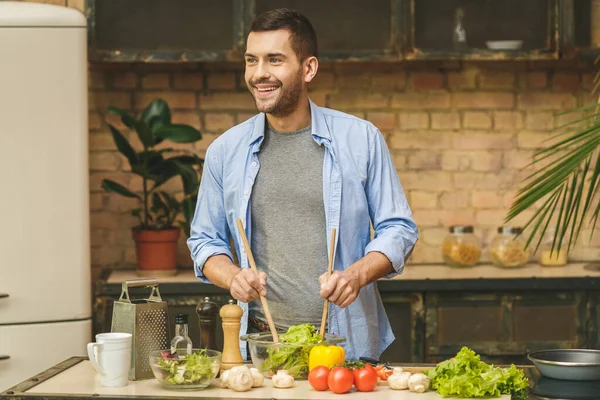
[302, 34]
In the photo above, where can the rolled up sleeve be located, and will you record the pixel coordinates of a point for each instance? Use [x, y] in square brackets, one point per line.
[395, 230]
[209, 231]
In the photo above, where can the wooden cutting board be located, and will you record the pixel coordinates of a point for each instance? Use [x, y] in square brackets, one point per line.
[82, 379]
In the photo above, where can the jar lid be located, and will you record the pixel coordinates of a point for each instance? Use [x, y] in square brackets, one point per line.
[510, 230]
[461, 229]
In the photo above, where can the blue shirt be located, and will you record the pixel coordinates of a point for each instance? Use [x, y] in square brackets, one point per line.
[360, 186]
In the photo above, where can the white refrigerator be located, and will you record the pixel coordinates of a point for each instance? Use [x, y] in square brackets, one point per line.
[45, 284]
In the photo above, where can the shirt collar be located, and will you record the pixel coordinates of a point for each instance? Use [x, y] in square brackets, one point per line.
[319, 126]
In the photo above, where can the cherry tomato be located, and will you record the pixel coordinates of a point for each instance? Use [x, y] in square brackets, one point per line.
[317, 378]
[340, 380]
[365, 379]
[383, 372]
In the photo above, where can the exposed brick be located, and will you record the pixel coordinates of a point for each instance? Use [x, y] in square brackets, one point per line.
[77, 4]
[479, 100]
[433, 236]
[385, 121]
[497, 80]
[102, 100]
[445, 121]
[388, 81]
[96, 80]
[454, 200]
[533, 80]
[350, 100]
[105, 161]
[486, 161]
[203, 143]
[218, 122]
[587, 80]
[104, 220]
[563, 119]
[477, 120]
[413, 120]
[94, 121]
[465, 79]
[419, 101]
[507, 120]
[106, 256]
[97, 237]
[508, 198]
[121, 204]
[427, 80]
[426, 180]
[517, 159]
[101, 141]
[484, 180]
[156, 81]
[186, 117]
[222, 81]
[355, 81]
[539, 121]
[323, 80]
[227, 101]
[124, 80]
[531, 140]
[319, 98]
[427, 217]
[490, 217]
[562, 81]
[546, 101]
[424, 159]
[475, 140]
[96, 201]
[421, 199]
[420, 140]
[175, 100]
[458, 217]
[456, 160]
[188, 80]
[241, 117]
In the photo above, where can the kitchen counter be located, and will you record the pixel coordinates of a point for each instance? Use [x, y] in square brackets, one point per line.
[75, 379]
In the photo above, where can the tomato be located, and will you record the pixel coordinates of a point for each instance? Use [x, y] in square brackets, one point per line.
[383, 372]
[365, 379]
[340, 380]
[317, 378]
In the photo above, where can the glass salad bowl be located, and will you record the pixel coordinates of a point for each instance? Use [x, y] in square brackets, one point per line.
[269, 357]
[185, 372]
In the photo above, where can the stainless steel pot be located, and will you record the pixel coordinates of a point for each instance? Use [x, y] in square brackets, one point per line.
[568, 364]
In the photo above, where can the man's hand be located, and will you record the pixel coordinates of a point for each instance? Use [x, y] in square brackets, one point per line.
[245, 286]
[341, 288]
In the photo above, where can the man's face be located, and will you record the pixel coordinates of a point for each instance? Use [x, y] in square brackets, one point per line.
[274, 75]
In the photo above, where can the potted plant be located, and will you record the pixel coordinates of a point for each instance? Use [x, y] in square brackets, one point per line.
[159, 228]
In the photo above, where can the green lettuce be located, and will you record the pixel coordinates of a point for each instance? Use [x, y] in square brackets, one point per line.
[467, 376]
[192, 369]
[293, 359]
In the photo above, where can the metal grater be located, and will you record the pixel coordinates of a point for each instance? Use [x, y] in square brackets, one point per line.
[147, 321]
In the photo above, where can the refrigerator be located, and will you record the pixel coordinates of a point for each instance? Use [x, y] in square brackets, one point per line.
[45, 277]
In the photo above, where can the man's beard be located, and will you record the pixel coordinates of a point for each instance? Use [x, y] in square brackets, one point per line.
[287, 101]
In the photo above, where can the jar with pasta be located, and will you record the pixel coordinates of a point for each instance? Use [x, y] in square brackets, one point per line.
[549, 253]
[507, 250]
[461, 248]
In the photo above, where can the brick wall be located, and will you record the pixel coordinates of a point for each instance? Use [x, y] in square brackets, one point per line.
[460, 133]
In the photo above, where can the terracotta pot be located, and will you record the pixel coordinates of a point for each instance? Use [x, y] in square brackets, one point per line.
[156, 251]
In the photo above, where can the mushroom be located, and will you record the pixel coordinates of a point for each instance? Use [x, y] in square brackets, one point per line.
[282, 379]
[240, 378]
[257, 378]
[418, 383]
[224, 378]
[399, 379]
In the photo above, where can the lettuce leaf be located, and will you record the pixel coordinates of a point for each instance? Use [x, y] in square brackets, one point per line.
[467, 376]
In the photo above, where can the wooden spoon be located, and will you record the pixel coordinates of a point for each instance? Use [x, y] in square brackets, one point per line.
[329, 269]
[263, 299]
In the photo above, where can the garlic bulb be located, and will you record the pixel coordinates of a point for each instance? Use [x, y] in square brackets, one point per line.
[224, 378]
[399, 380]
[240, 378]
[257, 378]
[282, 379]
[418, 383]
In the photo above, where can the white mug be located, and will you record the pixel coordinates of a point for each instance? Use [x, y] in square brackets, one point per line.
[111, 357]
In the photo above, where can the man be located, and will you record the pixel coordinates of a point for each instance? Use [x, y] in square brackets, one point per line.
[293, 173]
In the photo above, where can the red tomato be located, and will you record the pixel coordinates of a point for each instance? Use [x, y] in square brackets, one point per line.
[365, 379]
[318, 378]
[383, 372]
[340, 380]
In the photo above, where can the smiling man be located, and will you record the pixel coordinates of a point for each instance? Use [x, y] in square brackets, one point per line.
[292, 173]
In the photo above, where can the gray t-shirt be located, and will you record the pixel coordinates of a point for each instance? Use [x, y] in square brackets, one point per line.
[289, 238]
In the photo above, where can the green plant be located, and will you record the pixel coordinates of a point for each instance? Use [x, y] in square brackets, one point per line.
[156, 165]
[566, 181]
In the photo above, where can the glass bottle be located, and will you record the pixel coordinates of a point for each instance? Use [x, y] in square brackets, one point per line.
[548, 256]
[461, 248]
[181, 343]
[507, 250]
[459, 35]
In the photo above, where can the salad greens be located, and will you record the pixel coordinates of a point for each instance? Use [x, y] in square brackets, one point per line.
[467, 376]
[191, 369]
[293, 359]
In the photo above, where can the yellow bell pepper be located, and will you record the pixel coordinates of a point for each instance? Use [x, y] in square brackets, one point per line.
[328, 356]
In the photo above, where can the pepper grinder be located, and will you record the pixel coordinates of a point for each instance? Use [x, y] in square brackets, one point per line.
[231, 315]
[207, 322]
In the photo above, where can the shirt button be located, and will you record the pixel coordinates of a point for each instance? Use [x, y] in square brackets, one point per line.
[254, 163]
[246, 191]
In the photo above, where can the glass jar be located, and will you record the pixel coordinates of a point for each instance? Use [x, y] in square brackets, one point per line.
[461, 248]
[548, 256]
[507, 250]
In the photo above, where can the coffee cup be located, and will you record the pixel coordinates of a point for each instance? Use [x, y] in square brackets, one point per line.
[110, 356]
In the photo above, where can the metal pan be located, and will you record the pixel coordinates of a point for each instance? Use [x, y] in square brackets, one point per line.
[568, 364]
